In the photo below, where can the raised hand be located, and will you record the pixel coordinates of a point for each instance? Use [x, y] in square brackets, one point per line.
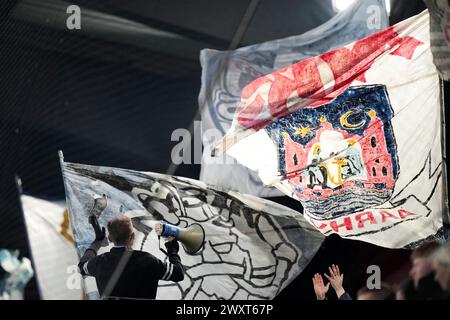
[100, 232]
[336, 279]
[319, 287]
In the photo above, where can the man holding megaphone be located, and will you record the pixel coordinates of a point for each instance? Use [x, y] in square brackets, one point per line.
[123, 272]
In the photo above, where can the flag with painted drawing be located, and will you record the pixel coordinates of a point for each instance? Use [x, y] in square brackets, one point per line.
[226, 73]
[52, 247]
[355, 135]
[440, 35]
[253, 247]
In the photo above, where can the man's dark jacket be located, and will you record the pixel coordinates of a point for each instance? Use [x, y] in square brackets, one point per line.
[139, 277]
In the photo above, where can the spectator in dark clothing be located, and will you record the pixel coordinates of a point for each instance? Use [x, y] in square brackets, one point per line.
[421, 285]
[336, 279]
[441, 267]
[127, 273]
[427, 289]
[421, 264]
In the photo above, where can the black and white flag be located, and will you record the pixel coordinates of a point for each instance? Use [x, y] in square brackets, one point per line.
[253, 247]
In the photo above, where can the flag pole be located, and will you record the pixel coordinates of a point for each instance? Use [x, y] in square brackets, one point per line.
[61, 163]
[446, 213]
[19, 189]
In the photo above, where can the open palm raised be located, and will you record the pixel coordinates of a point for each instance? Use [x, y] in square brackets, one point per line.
[319, 287]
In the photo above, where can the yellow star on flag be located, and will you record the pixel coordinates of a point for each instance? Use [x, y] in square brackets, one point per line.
[303, 131]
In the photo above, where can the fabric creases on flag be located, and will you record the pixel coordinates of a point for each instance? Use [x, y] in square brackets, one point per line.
[52, 247]
[253, 247]
[226, 73]
[355, 135]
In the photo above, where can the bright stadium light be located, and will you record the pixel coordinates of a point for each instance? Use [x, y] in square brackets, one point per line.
[388, 6]
[340, 5]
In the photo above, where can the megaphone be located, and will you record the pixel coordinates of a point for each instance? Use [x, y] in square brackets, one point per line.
[192, 238]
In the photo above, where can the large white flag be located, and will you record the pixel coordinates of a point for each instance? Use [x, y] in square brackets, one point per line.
[52, 247]
[354, 134]
[226, 73]
[253, 247]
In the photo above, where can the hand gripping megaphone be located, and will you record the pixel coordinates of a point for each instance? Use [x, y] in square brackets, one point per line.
[192, 238]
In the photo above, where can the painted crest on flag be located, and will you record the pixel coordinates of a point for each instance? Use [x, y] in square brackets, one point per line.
[340, 157]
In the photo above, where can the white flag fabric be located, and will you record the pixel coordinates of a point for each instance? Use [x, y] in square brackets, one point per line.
[354, 134]
[253, 247]
[226, 73]
[440, 35]
[52, 247]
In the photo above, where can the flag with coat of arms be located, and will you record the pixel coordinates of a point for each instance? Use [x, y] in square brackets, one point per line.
[354, 134]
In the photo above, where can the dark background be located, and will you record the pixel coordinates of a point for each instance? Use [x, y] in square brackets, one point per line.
[112, 93]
